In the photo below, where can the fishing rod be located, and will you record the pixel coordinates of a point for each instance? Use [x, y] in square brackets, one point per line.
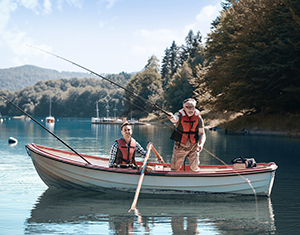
[112, 82]
[45, 129]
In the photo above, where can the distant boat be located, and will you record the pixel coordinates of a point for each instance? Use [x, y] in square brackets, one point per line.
[104, 120]
[96, 119]
[50, 119]
[108, 120]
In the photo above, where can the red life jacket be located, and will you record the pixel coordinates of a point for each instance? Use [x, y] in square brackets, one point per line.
[187, 128]
[125, 154]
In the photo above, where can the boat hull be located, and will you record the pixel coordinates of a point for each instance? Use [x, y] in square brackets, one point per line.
[61, 169]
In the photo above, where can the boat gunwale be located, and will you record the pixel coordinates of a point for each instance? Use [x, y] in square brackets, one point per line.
[40, 150]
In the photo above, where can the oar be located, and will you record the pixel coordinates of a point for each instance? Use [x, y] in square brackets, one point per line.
[138, 188]
[45, 128]
[160, 159]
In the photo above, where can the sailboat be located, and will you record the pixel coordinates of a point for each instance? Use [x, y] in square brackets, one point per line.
[50, 119]
[96, 119]
[105, 120]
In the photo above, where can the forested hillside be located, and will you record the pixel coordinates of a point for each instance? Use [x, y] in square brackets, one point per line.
[250, 63]
[69, 97]
[20, 77]
[253, 58]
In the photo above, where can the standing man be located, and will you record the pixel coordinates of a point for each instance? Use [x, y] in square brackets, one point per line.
[123, 150]
[189, 135]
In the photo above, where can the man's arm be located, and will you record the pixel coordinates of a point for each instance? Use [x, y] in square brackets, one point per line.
[202, 138]
[113, 153]
[173, 117]
[140, 149]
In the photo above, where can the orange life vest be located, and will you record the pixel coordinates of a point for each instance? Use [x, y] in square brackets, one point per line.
[125, 154]
[187, 128]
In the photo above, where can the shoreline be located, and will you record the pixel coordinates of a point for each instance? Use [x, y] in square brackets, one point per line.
[245, 131]
[255, 124]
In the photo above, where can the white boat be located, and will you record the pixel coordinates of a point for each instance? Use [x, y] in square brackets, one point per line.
[108, 120]
[63, 169]
[50, 119]
[104, 120]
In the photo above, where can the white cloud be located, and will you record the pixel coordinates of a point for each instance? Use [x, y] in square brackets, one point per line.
[31, 4]
[161, 35]
[152, 42]
[110, 4]
[18, 43]
[102, 23]
[74, 3]
[204, 19]
[47, 7]
[6, 7]
[16, 40]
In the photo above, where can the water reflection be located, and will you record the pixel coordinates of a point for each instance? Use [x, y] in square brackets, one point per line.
[50, 126]
[80, 212]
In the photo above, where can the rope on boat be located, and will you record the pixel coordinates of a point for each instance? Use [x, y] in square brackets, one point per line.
[246, 179]
[132, 93]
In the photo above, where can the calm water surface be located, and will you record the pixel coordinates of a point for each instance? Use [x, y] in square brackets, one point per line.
[27, 206]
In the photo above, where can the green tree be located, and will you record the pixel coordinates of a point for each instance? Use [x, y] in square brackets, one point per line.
[180, 87]
[165, 68]
[70, 97]
[146, 84]
[253, 56]
[174, 58]
[170, 63]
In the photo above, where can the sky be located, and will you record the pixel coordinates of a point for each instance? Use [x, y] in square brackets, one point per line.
[105, 36]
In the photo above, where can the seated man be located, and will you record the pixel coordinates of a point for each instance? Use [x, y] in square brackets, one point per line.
[123, 150]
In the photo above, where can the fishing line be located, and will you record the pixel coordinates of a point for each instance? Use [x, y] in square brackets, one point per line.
[175, 129]
[132, 93]
[45, 128]
[131, 102]
[112, 82]
[246, 179]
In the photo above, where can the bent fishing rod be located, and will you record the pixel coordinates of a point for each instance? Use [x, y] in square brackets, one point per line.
[97, 74]
[45, 128]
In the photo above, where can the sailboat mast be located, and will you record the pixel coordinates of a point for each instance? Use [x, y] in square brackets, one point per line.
[50, 108]
[97, 110]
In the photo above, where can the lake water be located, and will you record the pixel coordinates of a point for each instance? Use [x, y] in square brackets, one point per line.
[27, 206]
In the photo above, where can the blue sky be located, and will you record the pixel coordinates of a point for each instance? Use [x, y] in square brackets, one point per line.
[106, 36]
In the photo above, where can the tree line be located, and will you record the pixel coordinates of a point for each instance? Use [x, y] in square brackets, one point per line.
[249, 63]
[69, 97]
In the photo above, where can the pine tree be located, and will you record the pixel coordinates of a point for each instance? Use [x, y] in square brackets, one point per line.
[180, 87]
[146, 84]
[254, 57]
[174, 58]
[165, 68]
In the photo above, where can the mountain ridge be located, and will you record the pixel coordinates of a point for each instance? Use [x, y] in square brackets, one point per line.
[16, 78]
